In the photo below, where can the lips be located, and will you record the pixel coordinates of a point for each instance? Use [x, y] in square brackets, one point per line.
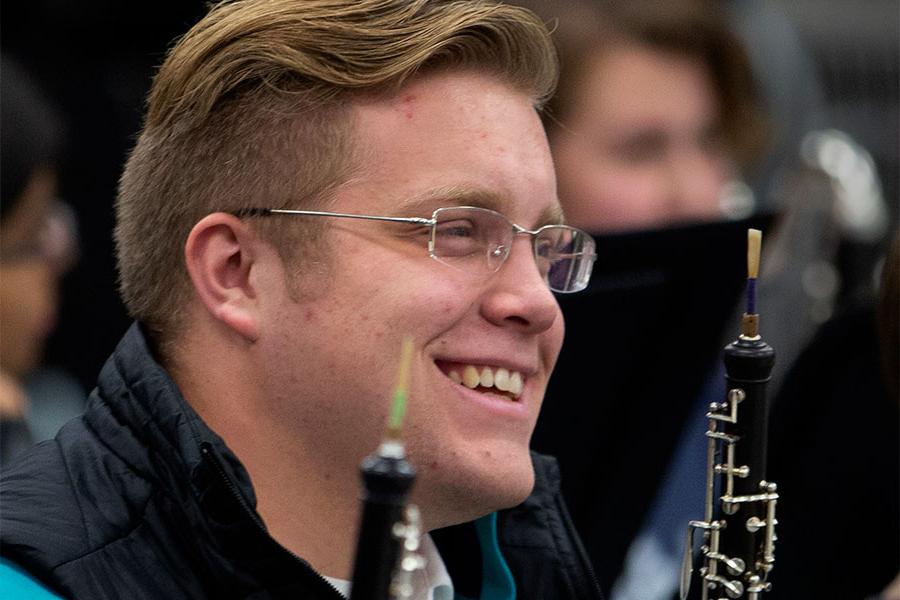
[486, 378]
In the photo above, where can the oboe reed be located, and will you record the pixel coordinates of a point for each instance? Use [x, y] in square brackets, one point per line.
[750, 321]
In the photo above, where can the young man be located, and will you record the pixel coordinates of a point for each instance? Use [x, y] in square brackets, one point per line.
[219, 455]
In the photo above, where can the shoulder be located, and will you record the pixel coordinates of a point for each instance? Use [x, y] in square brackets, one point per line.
[39, 503]
[64, 498]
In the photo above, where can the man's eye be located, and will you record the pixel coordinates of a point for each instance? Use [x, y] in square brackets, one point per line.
[644, 147]
[458, 238]
[456, 229]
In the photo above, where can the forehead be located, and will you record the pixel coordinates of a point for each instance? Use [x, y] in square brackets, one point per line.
[451, 139]
[636, 84]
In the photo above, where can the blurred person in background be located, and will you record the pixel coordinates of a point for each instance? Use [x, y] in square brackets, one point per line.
[37, 247]
[654, 117]
[654, 128]
[657, 123]
[654, 122]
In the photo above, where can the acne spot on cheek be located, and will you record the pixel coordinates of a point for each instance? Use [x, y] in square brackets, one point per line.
[433, 465]
[363, 317]
[487, 454]
[406, 105]
[309, 315]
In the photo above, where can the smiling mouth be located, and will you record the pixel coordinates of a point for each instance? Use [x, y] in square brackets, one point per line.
[486, 379]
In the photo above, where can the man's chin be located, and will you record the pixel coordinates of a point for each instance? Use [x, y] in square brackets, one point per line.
[470, 495]
[515, 487]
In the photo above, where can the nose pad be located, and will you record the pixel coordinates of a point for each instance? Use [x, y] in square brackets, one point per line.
[497, 256]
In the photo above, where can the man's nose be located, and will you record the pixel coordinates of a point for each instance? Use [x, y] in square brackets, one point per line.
[518, 294]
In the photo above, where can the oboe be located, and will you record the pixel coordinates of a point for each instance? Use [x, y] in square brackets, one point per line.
[739, 526]
[389, 531]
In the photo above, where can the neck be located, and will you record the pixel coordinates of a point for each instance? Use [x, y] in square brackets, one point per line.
[307, 498]
[313, 514]
[12, 397]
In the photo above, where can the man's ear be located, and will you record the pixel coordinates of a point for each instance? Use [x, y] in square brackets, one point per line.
[220, 253]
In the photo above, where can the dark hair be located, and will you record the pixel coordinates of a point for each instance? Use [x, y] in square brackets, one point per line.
[699, 29]
[32, 132]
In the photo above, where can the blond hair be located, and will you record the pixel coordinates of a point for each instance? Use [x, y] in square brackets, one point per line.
[250, 108]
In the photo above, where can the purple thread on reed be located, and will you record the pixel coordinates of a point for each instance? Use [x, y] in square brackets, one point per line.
[751, 295]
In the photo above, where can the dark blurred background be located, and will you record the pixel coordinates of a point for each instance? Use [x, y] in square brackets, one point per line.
[96, 58]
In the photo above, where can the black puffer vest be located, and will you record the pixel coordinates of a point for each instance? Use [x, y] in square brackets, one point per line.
[140, 499]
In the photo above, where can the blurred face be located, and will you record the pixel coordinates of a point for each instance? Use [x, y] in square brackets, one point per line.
[444, 140]
[28, 278]
[640, 145]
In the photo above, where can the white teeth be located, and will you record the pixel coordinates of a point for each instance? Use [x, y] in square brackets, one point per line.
[487, 377]
[501, 379]
[470, 377]
[515, 383]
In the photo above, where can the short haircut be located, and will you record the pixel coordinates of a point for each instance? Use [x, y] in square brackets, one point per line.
[250, 108]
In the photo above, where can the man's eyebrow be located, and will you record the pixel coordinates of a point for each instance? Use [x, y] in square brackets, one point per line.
[468, 196]
[452, 196]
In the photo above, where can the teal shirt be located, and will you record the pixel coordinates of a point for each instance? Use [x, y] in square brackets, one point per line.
[497, 581]
[15, 582]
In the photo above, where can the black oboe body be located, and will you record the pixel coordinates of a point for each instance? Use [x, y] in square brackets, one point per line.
[387, 479]
[738, 524]
[748, 367]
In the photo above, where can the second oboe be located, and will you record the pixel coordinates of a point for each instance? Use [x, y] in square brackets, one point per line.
[739, 512]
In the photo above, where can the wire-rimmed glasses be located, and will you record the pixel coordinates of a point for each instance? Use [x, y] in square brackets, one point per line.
[54, 242]
[475, 239]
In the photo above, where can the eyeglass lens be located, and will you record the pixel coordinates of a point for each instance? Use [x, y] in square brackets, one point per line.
[478, 239]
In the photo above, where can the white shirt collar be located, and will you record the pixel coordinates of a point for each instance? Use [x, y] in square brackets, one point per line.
[431, 583]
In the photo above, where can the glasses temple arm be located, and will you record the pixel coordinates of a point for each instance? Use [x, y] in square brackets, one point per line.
[319, 213]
